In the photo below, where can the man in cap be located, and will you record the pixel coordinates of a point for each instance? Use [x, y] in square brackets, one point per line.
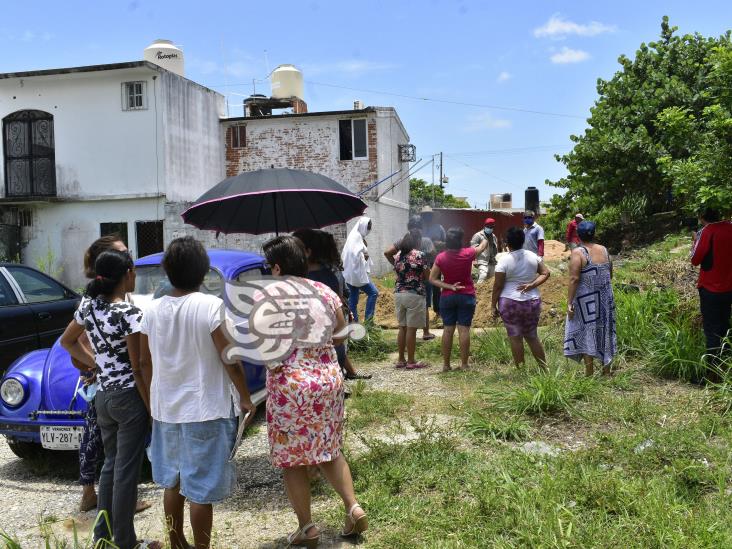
[436, 233]
[486, 261]
[572, 238]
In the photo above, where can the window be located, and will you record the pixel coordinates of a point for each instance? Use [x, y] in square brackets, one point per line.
[133, 96]
[353, 139]
[152, 283]
[36, 286]
[119, 229]
[238, 136]
[149, 237]
[7, 297]
[28, 148]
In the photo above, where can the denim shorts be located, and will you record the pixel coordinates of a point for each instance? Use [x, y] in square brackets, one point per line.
[196, 455]
[457, 309]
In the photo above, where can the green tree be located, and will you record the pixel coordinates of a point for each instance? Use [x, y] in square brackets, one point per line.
[659, 135]
[423, 194]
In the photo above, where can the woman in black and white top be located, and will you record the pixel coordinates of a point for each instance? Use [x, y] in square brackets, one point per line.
[112, 326]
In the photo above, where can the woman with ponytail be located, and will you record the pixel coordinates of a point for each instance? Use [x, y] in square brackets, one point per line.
[112, 326]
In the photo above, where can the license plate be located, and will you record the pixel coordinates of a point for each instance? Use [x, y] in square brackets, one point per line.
[55, 437]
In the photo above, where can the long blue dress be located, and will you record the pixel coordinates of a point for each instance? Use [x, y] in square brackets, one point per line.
[592, 330]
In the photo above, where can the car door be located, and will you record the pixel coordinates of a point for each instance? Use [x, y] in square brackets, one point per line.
[53, 304]
[18, 334]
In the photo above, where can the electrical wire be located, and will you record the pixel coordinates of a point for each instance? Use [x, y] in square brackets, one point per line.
[479, 170]
[427, 99]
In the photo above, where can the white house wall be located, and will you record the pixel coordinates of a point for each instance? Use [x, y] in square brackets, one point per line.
[100, 149]
[63, 231]
[193, 137]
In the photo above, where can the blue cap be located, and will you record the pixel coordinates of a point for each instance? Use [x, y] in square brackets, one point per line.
[586, 229]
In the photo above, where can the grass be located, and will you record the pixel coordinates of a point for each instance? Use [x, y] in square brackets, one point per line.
[368, 407]
[542, 393]
[374, 347]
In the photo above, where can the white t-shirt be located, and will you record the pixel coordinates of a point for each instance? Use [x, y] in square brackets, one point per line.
[189, 382]
[521, 267]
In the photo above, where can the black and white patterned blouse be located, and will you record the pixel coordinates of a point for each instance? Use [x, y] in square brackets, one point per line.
[116, 321]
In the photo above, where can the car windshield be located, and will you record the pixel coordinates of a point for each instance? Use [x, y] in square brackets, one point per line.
[152, 283]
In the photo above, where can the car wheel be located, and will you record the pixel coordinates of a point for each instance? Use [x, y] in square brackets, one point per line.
[25, 450]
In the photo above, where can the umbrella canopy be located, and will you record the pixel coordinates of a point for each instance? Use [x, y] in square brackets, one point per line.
[272, 201]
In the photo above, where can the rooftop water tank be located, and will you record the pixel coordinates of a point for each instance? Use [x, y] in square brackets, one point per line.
[531, 199]
[287, 82]
[164, 54]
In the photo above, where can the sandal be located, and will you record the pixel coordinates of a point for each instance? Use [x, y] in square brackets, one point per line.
[400, 365]
[298, 538]
[417, 365]
[359, 525]
[428, 337]
[358, 376]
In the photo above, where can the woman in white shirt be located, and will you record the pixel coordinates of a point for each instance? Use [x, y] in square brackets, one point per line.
[516, 298]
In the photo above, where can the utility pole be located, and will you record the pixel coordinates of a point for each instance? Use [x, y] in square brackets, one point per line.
[441, 184]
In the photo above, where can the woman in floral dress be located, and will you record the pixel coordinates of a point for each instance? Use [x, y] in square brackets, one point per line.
[305, 400]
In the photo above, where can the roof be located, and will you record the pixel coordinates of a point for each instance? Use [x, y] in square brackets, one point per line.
[98, 68]
[229, 262]
[367, 110]
[87, 68]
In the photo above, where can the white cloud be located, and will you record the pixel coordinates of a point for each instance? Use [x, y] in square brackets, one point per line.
[568, 55]
[504, 76]
[559, 27]
[485, 121]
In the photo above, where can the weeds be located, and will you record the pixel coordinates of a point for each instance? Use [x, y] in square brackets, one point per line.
[482, 425]
[372, 348]
[491, 346]
[543, 393]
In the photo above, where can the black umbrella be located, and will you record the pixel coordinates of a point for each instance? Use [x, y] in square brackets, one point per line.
[273, 201]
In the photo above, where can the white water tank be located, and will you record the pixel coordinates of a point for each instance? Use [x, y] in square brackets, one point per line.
[164, 54]
[287, 82]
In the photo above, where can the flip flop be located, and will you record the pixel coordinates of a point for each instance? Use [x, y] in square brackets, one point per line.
[428, 337]
[400, 365]
[417, 365]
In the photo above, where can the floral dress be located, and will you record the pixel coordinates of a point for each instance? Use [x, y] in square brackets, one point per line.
[305, 401]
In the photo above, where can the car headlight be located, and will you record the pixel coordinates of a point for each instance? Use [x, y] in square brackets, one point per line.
[12, 392]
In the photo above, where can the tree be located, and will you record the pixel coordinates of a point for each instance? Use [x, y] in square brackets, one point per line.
[423, 194]
[659, 136]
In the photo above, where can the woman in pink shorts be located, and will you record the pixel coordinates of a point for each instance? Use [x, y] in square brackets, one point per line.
[516, 298]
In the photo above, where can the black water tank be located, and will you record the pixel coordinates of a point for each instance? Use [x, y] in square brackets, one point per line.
[531, 199]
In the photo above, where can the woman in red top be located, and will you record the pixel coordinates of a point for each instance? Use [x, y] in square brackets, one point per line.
[457, 303]
[711, 253]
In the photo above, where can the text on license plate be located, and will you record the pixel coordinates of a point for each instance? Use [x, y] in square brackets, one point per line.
[56, 437]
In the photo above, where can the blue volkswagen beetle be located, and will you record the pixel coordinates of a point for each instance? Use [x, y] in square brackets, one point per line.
[40, 404]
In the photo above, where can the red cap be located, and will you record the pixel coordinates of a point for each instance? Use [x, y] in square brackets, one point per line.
[489, 220]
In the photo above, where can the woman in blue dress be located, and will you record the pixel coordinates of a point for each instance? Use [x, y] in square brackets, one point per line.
[589, 332]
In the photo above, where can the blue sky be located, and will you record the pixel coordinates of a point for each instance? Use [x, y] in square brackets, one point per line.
[539, 56]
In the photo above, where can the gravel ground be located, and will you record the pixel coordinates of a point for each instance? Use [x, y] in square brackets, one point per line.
[45, 495]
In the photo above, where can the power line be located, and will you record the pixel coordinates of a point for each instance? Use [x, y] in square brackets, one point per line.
[429, 99]
[480, 170]
[517, 150]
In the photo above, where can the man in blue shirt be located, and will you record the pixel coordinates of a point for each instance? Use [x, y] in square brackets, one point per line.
[534, 232]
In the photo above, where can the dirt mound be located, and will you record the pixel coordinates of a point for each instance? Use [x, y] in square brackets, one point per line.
[553, 294]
